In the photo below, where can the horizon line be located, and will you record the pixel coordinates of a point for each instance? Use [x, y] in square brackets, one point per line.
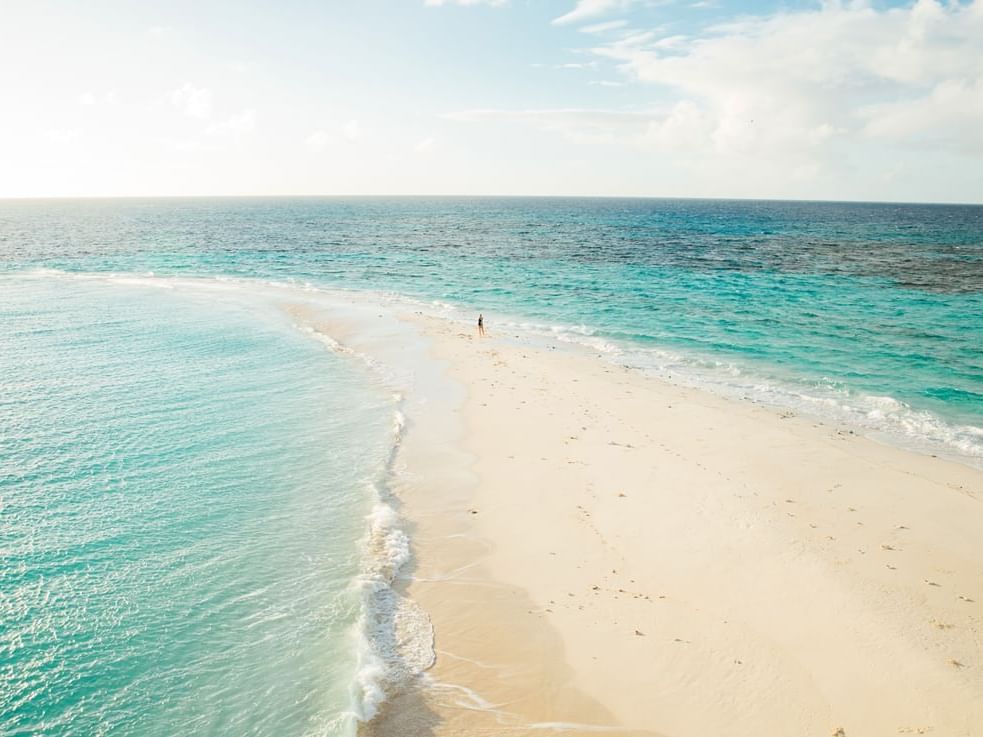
[77, 198]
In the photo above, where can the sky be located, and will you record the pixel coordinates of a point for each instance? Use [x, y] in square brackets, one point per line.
[668, 98]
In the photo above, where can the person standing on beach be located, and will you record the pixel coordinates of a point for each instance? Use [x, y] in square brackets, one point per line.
[481, 325]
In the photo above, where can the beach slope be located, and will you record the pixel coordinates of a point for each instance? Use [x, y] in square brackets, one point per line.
[638, 557]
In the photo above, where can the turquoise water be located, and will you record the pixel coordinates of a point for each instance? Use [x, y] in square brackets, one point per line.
[185, 478]
[871, 314]
[183, 484]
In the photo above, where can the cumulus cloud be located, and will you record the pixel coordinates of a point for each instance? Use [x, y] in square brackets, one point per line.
[950, 116]
[827, 100]
[793, 81]
[195, 102]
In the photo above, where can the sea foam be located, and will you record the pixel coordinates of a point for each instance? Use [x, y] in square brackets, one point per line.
[394, 635]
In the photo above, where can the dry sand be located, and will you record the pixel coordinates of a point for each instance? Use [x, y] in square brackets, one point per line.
[611, 552]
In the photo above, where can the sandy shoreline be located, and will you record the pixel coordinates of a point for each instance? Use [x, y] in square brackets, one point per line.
[603, 551]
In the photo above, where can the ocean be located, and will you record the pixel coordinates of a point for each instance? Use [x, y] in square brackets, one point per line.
[193, 489]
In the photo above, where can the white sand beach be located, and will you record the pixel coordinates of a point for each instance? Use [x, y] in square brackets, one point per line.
[603, 551]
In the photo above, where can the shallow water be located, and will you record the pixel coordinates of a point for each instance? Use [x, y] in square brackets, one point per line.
[184, 482]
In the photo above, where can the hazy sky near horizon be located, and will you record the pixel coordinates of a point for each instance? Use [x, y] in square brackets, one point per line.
[689, 98]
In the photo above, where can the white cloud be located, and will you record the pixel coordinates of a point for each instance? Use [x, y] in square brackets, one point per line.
[318, 140]
[792, 82]
[577, 124]
[830, 102]
[610, 25]
[423, 146]
[438, 3]
[195, 102]
[322, 138]
[950, 116]
[586, 9]
[686, 127]
[234, 127]
[352, 130]
[577, 65]
[87, 98]
[670, 42]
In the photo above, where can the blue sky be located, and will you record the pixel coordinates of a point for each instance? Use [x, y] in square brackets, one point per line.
[839, 100]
